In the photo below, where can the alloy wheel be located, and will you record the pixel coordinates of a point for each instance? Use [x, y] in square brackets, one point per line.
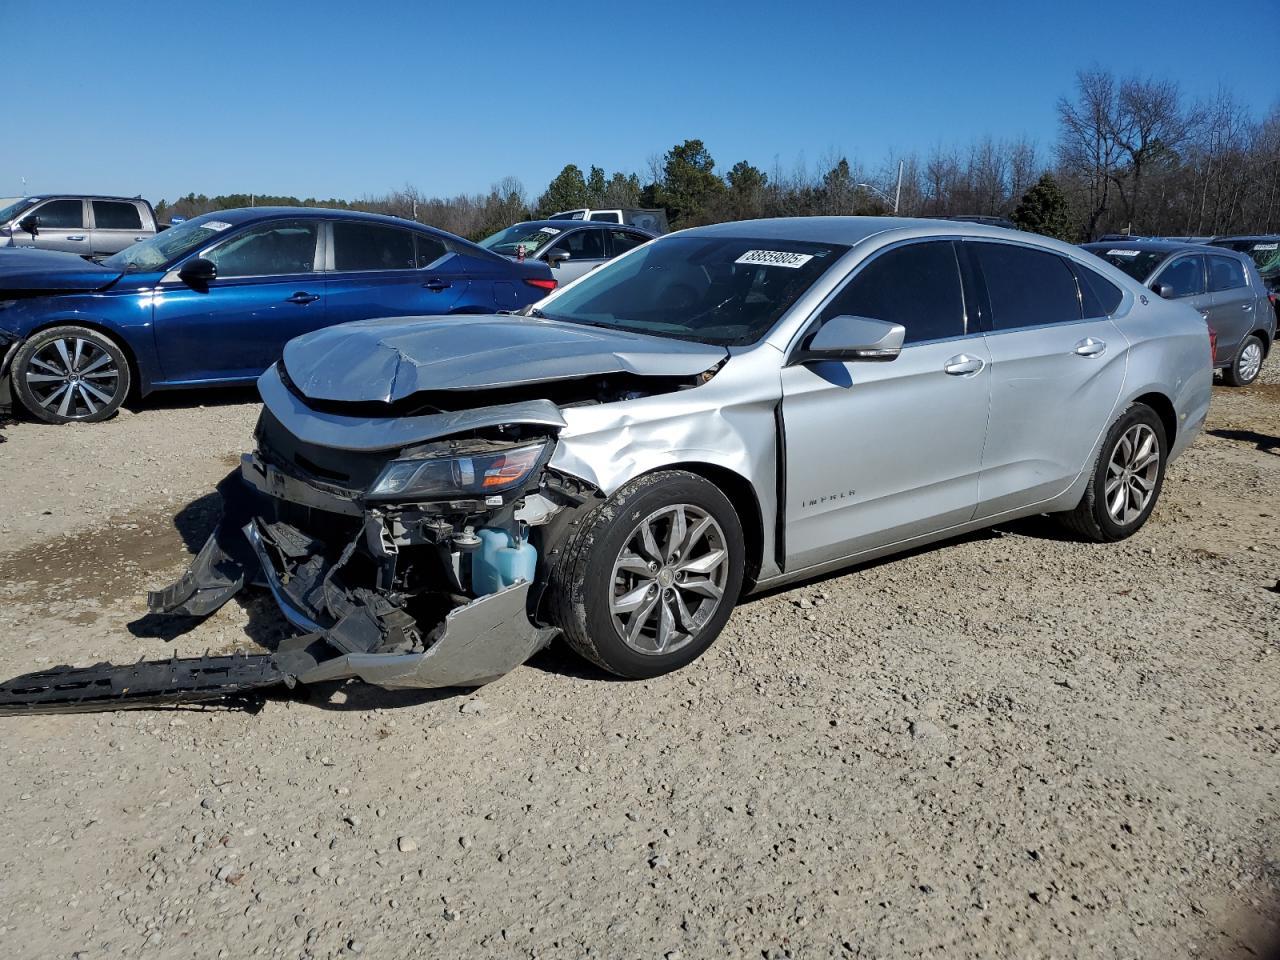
[668, 579]
[1250, 360]
[73, 377]
[1132, 472]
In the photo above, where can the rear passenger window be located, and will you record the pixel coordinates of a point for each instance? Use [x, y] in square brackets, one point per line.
[114, 215]
[1025, 287]
[1099, 297]
[917, 285]
[1225, 273]
[61, 215]
[1185, 276]
[430, 249]
[371, 246]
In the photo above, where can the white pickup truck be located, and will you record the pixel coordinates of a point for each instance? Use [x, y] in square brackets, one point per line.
[78, 223]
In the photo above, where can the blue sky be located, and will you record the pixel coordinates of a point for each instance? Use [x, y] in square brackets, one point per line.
[344, 98]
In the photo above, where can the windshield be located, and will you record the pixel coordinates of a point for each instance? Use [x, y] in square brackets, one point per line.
[1136, 263]
[717, 290]
[164, 248]
[508, 242]
[1265, 253]
[11, 208]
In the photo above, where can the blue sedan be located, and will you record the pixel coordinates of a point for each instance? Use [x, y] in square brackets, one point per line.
[213, 300]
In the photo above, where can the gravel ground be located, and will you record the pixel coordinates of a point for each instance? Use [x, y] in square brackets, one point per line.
[1011, 745]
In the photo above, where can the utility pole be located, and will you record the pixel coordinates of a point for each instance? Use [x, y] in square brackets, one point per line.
[897, 196]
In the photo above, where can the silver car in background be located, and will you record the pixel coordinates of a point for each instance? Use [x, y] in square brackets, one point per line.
[722, 410]
[1223, 285]
[570, 249]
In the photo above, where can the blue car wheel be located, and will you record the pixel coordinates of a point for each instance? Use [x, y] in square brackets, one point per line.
[68, 374]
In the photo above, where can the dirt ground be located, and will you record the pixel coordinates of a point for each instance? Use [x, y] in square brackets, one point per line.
[1011, 745]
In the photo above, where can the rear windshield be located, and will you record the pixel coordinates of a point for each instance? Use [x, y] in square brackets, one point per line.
[717, 290]
[509, 241]
[1265, 253]
[1135, 262]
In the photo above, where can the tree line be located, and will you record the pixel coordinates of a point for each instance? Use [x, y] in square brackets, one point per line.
[1132, 155]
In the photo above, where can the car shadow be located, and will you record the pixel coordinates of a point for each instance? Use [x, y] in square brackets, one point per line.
[197, 397]
[1260, 440]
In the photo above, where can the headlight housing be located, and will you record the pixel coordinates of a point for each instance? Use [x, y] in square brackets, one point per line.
[478, 474]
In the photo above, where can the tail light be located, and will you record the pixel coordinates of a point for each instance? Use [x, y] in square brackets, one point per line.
[1213, 345]
[540, 283]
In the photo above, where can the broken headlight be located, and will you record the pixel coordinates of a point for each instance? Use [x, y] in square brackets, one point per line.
[450, 476]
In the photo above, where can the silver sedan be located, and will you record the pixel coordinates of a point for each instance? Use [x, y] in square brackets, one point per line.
[719, 411]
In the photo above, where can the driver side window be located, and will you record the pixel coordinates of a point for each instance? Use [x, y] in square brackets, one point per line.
[917, 285]
[1185, 275]
[584, 244]
[268, 250]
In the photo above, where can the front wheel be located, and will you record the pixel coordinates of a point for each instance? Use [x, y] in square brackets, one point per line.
[1247, 364]
[1126, 479]
[69, 374]
[650, 579]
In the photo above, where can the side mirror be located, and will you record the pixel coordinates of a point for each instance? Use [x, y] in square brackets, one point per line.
[1163, 290]
[31, 224]
[557, 256]
[845, 338]
[198, 272]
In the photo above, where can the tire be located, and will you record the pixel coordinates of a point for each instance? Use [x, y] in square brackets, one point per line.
[71, 374]
[1244, 369]
[1103, 515]
[609, 563]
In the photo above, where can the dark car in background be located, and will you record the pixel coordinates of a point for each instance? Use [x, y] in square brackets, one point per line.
[1223, 285]
[213, 300]
[77, 223]
[1264, 250]
[570, 248]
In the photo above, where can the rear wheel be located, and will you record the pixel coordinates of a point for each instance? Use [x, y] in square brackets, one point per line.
[650, 579]
[69, 374]
[1126, 479]
[1247, 364]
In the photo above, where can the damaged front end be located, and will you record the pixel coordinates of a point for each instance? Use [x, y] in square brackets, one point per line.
[418, 565]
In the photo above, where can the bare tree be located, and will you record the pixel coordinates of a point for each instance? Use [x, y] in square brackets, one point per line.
[1088, 153]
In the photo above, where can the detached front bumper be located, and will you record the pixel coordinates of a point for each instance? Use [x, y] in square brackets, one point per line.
[349, 630]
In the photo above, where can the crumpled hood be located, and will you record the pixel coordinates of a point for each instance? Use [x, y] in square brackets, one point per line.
[25, 268]
[391, 359]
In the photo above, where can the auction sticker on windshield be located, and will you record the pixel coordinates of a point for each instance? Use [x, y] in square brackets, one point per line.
[1123, 253]
[1266, 246]
[216, 225]
[775, 258]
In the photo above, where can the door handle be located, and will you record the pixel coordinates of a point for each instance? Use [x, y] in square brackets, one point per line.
[1091, 347]
[963, 365]
[437, 285]
[303, 297]
[1246, 306]
[139, 239]
[75, 238]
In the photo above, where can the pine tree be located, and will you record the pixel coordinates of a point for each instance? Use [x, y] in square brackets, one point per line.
[1043, 209]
